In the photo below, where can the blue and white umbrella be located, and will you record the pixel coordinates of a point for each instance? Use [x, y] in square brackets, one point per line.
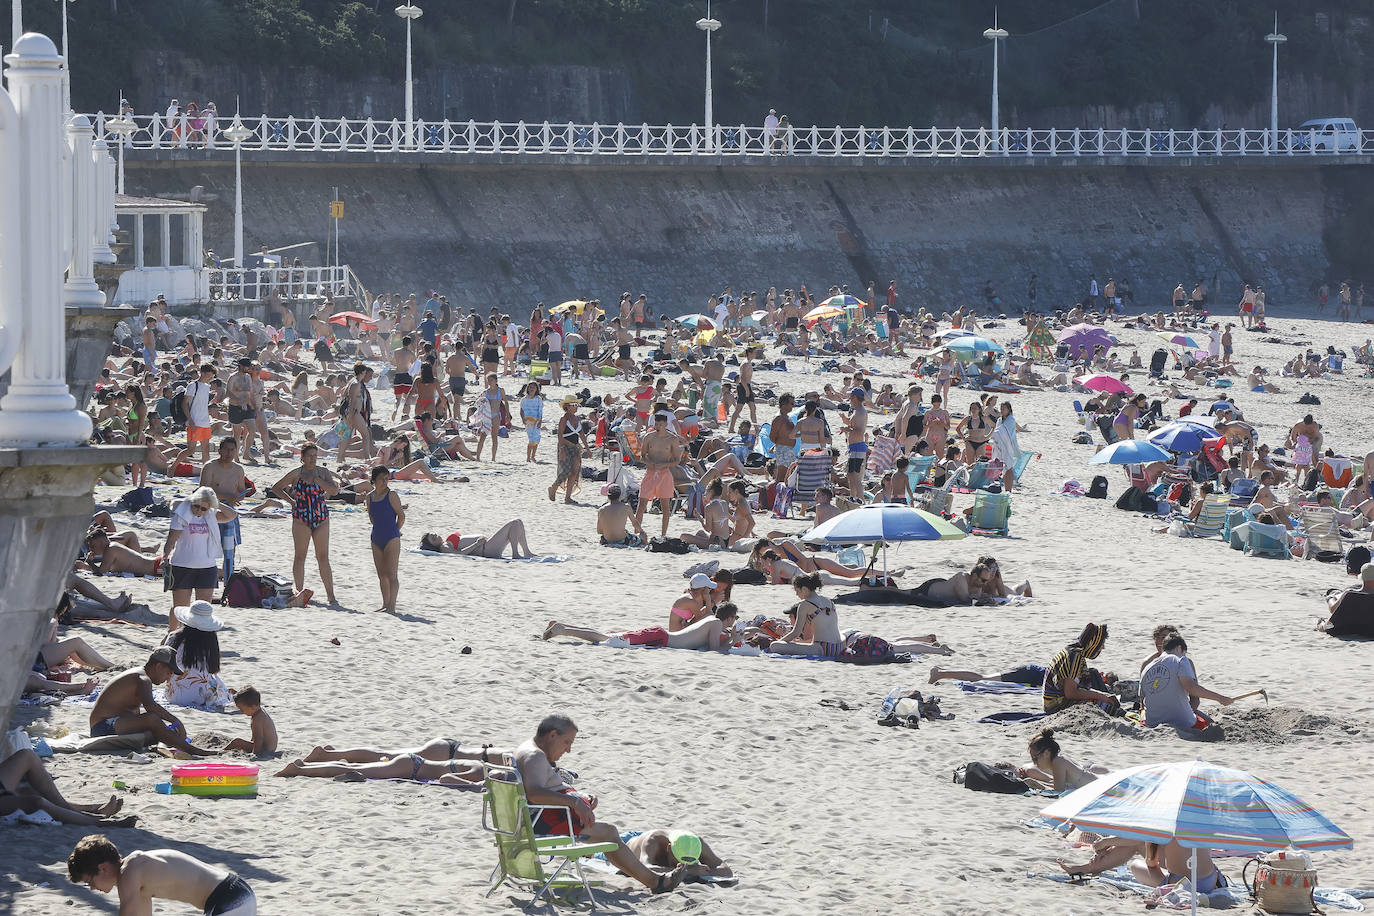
[1182, 437]
[883, 523]
[1200, 805]
[1130, 451]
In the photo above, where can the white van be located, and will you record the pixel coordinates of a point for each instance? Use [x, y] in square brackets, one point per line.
[1333, 134]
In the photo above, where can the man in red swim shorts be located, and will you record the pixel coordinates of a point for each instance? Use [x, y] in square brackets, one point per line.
[661, 451]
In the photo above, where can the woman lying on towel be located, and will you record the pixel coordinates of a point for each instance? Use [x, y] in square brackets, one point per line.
[716, 632]
[785, 559]
[511, 534]
[1050, 769]
[444, 760]
[973, 587]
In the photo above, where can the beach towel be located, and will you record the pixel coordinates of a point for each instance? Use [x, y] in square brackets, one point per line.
[1233, 895]
[995, 687]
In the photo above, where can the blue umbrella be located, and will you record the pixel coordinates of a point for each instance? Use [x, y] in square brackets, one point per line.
[1182, 437]
[976, 344]
[1200, 805]
[883, 523]
[1130, 451]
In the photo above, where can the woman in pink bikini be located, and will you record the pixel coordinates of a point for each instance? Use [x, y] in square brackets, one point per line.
[694, 606]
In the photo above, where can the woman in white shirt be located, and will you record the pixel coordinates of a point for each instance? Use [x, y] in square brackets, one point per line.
[193, 553]
[197, 648]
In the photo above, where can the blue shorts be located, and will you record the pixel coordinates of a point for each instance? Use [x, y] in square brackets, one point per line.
[104, 728]
[1030, 675]
[230, 534]
[533, 433]
[149, 358]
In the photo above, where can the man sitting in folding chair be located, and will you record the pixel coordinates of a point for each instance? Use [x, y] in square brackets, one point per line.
[545, 785]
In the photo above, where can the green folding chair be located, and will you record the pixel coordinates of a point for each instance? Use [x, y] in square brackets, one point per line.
[1212, 519]
[520, 855]
[990, 514]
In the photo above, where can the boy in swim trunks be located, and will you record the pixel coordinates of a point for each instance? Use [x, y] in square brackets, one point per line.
[856, 428]
[158, 874]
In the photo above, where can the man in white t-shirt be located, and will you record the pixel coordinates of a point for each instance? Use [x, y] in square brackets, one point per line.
[770, 130]
[545, 784]
[174, 118]
[199, 424]
[1167, 685]
[512, 343]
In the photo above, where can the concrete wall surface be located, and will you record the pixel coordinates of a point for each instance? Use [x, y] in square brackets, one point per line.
[510, 233]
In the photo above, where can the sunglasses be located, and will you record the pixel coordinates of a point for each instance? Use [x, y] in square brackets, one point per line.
[197, 507]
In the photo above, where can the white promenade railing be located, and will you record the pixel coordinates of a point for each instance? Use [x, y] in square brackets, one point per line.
[257, 283]
[156, 132]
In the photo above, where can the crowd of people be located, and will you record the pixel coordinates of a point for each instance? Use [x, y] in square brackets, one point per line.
[259, 419]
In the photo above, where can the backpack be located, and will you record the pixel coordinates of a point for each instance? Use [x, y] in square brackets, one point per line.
[669, 545]
[1355, 559]
[137, 498]
[1098, 490]
[244, 588]
[1136, 500]
[177, 407]
[987, 777]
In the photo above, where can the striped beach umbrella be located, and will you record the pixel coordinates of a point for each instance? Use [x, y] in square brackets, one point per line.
[1201, 806]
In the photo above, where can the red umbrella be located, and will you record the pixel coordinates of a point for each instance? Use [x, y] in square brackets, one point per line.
[345, 317]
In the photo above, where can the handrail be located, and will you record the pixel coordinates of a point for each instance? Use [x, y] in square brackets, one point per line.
[257, 283]
[291, 134]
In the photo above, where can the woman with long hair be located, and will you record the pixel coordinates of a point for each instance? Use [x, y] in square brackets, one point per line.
[388, 515]
[306, 488]
[196, 644]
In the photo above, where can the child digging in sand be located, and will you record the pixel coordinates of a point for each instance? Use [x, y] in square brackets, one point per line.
[264, 735]
[158, 874]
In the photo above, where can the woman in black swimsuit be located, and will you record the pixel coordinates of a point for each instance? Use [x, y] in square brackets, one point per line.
[491, 349]
[975, 430]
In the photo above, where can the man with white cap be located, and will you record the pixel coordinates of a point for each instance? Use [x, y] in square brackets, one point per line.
[770, 129]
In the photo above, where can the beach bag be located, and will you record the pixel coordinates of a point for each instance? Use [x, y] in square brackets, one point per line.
[989, 777]
[669, 545]
[750, 576]
[244, 588]
[1136, 500]
[1284, 882]
[1098, 490]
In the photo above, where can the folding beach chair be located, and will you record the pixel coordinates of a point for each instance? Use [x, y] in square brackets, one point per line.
[629, 443]
[974, 478]
[1020, 466]
[918, 468]
[1322, 531]
[1244, 488]
[538, 368]
[1266, 541]
[1235, 517]
[1212, 517]
[990, 514]
[520, 855]
[812, 471]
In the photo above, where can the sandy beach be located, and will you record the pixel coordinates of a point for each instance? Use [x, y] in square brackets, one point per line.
[816, 807]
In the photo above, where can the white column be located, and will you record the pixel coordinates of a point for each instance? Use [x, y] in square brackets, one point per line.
[80, 289]
[104, 203]
[12, 231]
[38, 409]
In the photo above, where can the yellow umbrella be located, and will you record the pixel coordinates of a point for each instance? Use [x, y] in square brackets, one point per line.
[572, 305]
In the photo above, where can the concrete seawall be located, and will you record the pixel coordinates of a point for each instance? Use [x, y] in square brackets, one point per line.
[511, 232]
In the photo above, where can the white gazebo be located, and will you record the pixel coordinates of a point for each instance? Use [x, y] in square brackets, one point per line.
[163, 240]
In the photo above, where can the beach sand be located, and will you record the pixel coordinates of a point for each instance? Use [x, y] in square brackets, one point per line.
[818, 809]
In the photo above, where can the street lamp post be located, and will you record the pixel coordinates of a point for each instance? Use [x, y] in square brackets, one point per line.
[66, 60]
[708, 25]
[1275, 39]
[409, 12]
[994, 35]
[236, 133]
[121, 126]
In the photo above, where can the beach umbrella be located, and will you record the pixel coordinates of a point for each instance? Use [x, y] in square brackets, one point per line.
[1200, 805]
[576, 306]
[1179, 340]
[821, 313]
[1130, 451]
[842, 302]
[1101, 381]
[1181, 437]
[952, 333]
[343, 318]
[1085, 339]
[883, 523]
[975, 344]
[698, 322]
[754, 319]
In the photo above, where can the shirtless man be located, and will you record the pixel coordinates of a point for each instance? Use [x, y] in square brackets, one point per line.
[456, 367]
[1264, 497]
[260, 415]
[613, 520]
[856, 432]
[825, 505]
[158, 874]
[1305, 439]
[403, 361]
[150, 342]
[242, 416]
[744, 391]
[783, 432]
[712, 388]
[119, 710]
[661, 451]
[624, 362]
[225, 476]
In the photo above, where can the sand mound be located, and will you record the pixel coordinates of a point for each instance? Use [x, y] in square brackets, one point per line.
[1283, 725]
[1087, 721]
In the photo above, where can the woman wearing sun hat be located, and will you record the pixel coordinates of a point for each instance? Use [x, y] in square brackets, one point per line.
[571, 441]
[196, 644]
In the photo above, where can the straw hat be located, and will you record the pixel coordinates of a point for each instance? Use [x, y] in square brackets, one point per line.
[200, 615]
[571, 399]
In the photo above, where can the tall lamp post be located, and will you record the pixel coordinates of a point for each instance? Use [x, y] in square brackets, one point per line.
[236, 133]
[409, 12]
[66, 60]
[994, 35]
[16, 21]
[1275, 39]
[708, 25]
[121, 126]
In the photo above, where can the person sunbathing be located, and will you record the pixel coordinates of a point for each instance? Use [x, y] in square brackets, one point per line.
[1110, 852]
[767, 557]
[511, 534]
[716, 633]
[694, 605]
[1029, 675]
[440, 760]
[1050, 769]
[55, 652]
[1351, 611]
[995, 587]
[961, 588]
[26, 786]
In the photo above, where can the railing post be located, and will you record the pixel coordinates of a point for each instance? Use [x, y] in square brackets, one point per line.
[155, 131]
[596, 137]
[182, 122]
[1288, 135]
[838, 140]
[395, 135]
[369, 135]
[546, 136]
[472, 135]
[1125, 141]
[910, 141]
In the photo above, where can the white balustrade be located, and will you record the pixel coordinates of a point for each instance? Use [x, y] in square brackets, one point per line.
[45, 184]
[257, 283]
[153, 132]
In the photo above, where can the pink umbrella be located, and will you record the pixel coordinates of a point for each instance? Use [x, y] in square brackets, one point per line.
[1101, 381]
[1084, 339]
